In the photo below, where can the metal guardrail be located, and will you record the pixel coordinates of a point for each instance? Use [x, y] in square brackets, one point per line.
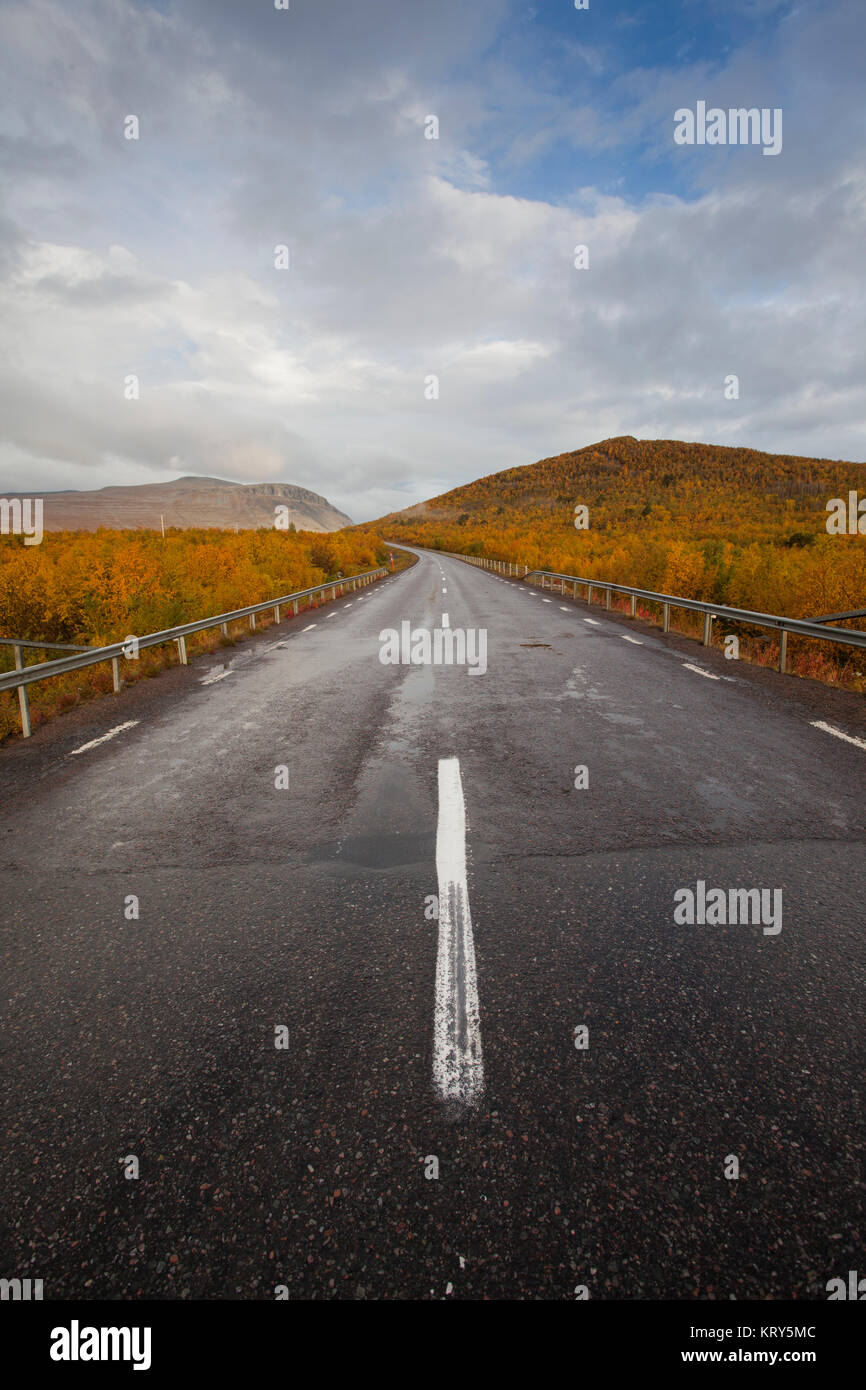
[23, 676]
[839, 617]
[44, 646]
[801, 627]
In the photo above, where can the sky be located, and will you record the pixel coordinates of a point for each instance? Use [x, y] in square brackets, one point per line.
[147, 330]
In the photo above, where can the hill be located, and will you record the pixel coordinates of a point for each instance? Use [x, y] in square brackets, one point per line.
[727, 525]
[188, 503]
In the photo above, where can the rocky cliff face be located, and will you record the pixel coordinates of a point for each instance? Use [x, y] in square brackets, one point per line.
[188, 502]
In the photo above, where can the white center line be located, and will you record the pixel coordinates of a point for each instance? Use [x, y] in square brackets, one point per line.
[95, 742]
[631, 639]
[700, 671]
[828, 729]
[458, 1065]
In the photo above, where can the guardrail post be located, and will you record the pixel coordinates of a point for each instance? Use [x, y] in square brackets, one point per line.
[708, 629]
[225, 629]
[115, 674]
[23, 701]
[276, 612]
[181, 650]
[633, 606]
[607, 597]
[589, 594]
[783, 650]
[666, 623]
[252, 622]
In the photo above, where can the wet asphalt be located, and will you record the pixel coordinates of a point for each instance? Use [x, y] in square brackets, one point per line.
[305, 1168]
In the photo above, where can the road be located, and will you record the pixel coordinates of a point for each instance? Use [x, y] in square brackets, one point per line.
[308, 907]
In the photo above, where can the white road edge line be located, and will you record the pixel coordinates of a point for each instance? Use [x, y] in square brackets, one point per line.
[112, 733]
[700, 671]
[458, 1065]
[828, 729]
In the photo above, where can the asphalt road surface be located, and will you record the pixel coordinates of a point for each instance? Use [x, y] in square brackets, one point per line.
[303, 915]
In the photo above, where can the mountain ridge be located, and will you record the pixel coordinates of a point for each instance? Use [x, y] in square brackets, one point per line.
[187, 502]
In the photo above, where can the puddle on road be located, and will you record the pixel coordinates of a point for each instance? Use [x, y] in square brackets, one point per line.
[397, 804]
[378, 851]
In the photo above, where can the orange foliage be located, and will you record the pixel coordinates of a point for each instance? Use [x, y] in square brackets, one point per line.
[95, 588]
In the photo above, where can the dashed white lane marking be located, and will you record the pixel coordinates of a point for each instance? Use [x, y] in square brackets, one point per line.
[332, 615]
[563, 609]
[445, 622]
[220, 675]
[837, 733]
[700, 671]
[547, 600]
[631, 639]
[112, 733]
[308, 628]
[592, 620]
[458, 1065]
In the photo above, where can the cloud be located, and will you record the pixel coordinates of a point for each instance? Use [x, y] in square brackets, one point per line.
[410, 256]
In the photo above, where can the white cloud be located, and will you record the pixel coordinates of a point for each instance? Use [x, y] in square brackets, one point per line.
[407, 258]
